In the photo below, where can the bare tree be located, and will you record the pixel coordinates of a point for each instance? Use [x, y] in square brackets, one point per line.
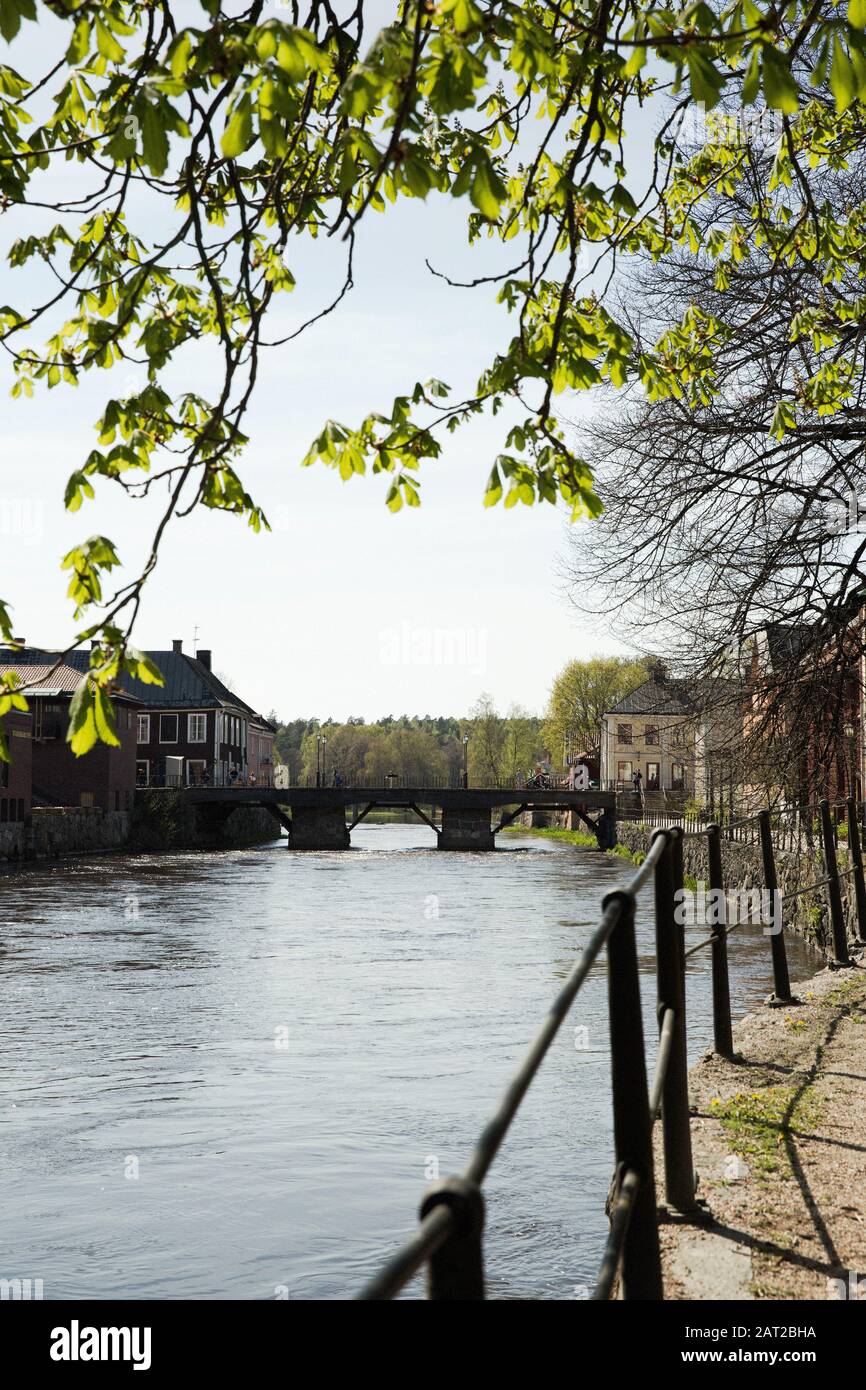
[731, 541]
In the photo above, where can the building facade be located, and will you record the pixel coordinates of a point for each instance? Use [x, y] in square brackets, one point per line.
[104, 777]
[193, 730]
[16, 776]
[682, 738]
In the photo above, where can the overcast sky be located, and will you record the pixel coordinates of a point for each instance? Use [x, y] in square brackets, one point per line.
[344, 608]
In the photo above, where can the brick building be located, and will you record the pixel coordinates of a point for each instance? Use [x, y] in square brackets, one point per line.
[104, 777]
[16, 776]
[189, 730]
[194, 729]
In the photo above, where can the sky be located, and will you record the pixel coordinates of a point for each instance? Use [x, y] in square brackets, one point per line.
[343, 608]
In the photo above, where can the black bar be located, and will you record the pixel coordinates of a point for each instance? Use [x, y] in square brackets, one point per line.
[722, 1039]
[857, 864]
[670, 950]
[641, 1264]
[834, 892]
[781, 979]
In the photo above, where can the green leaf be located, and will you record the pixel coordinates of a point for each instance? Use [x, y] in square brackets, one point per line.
[707, 82]
[107, 44]
[238, 133]
[843, 83]
[857, 13]
[487, 191]
[179, 54]
[780, 89]
[154, 138]
[79, 44]
[752, 79]
[142, 668]
[81, 733]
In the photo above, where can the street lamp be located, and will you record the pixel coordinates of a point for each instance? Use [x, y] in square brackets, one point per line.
[465, 761]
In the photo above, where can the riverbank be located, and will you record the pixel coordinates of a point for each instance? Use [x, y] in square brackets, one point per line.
[581, 838]
[65, 833]
[777, 1137]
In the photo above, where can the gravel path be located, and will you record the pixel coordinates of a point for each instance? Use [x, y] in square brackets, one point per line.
[779, 1141]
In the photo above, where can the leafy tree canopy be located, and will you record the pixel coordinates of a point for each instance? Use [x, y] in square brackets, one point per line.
[237, 130]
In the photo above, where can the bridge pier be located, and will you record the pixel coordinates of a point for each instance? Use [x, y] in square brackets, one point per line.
[466, 828]
[318, 827]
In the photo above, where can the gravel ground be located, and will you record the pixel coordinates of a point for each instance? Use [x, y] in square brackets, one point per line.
[779, 1142]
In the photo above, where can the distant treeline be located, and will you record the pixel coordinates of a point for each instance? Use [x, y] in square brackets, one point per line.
[413, 746]
[500, 746]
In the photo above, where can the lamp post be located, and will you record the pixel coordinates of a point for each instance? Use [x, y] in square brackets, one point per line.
[465, 761]
[318, 760]
[324, 763]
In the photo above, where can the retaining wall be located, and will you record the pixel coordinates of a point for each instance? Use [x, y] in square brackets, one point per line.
[742, 869]
[55, 832]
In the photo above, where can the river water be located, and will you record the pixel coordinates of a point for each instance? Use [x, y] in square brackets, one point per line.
[229, 1075]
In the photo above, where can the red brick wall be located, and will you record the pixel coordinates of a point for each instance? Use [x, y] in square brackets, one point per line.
[103, 777]
[16, 776]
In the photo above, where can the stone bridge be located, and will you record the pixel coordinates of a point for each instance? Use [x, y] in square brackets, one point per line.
[468, 817]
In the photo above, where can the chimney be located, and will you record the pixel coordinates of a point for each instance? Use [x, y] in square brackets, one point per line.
[204, 657]
[177, 644]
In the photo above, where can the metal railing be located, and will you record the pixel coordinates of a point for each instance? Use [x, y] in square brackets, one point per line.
[412, 781]
[449, 1237]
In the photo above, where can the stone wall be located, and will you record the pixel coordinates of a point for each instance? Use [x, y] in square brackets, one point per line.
[54, 832]
[161, 820]
[59, 832]
[742, 869]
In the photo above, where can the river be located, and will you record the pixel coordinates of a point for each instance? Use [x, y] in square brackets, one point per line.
[227, 1075]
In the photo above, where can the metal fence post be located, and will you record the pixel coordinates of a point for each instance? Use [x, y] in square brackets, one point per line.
[834, 892]
[722, 1039]
[781, 980]
[456, 1269]
[641, 1262]
[677, 1137]
[857, 865]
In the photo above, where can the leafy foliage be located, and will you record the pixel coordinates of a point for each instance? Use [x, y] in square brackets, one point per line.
[240, 132]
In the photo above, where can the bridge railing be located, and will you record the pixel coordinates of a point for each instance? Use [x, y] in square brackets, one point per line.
[449, 1239]
[393, 781]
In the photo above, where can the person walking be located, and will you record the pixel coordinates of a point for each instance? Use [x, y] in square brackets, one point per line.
[637, 783]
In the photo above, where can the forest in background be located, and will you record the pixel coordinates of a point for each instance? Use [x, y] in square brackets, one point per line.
[500, 746]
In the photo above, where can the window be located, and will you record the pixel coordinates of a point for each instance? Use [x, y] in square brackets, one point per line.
[196, 727]
[86, 799]
[144, 728]
[195, 769]
[678, 780]
[168, 728]
[651, 733]
[624, 771]
[623, 733]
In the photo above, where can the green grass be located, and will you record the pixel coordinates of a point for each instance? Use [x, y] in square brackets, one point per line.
[578, 837]
[757, 1124]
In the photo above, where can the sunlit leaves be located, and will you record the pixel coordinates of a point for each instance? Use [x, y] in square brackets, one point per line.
[232, 146]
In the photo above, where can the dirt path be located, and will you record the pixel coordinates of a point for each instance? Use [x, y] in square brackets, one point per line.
[779, 1138]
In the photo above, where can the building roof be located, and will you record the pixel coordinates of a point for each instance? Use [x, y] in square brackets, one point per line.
[46, 681]
[678, 697]
[655, 697]
[188, 682]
